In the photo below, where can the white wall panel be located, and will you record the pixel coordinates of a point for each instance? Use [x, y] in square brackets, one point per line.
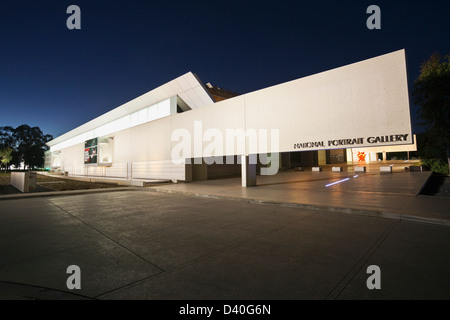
[368, 98]
[117, 170]
[95, 171]
[164, 169]
[229, 114]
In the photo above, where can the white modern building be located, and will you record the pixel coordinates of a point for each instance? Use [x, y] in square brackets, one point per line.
[181, 131]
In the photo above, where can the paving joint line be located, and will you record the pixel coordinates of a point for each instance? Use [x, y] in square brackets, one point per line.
[335, 209]
[44, 288]
[191, 262]
[108, 237]
[31, 195]
[358, 266]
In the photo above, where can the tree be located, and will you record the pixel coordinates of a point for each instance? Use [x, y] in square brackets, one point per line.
[6, 136]
[28, 145]
[5, 156]
[432, 94]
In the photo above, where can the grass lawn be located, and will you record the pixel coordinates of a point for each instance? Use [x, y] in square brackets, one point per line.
[52, 183]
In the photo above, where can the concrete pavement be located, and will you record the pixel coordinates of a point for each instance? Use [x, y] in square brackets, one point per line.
[150, 245]
[291, 237]
[392, 195]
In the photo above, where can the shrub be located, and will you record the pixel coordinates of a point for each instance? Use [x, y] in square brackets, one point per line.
[436, 165]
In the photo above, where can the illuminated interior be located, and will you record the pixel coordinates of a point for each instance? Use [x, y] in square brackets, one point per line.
[156, 111]
[105, 146]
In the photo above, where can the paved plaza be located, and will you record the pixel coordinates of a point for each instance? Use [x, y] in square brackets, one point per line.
[288, 238]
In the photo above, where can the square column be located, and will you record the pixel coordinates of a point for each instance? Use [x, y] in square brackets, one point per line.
[248, 170]
[322, 157]
[199, 170]
[349, 156]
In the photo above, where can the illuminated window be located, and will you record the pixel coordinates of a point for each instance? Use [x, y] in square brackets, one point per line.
[105, 147]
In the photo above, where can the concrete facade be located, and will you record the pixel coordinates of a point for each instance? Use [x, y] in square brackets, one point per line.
[361, 105]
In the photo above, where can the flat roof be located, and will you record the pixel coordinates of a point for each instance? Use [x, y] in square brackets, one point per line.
[188, 87]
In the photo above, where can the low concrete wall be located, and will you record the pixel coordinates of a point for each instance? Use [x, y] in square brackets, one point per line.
[121, 182]
[23, 181]
[18, 181]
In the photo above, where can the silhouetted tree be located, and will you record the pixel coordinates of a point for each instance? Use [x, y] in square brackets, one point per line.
[27, 144]
[6, 136]
[432, 94]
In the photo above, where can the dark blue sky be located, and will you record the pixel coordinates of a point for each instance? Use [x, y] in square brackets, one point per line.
[58, 79]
